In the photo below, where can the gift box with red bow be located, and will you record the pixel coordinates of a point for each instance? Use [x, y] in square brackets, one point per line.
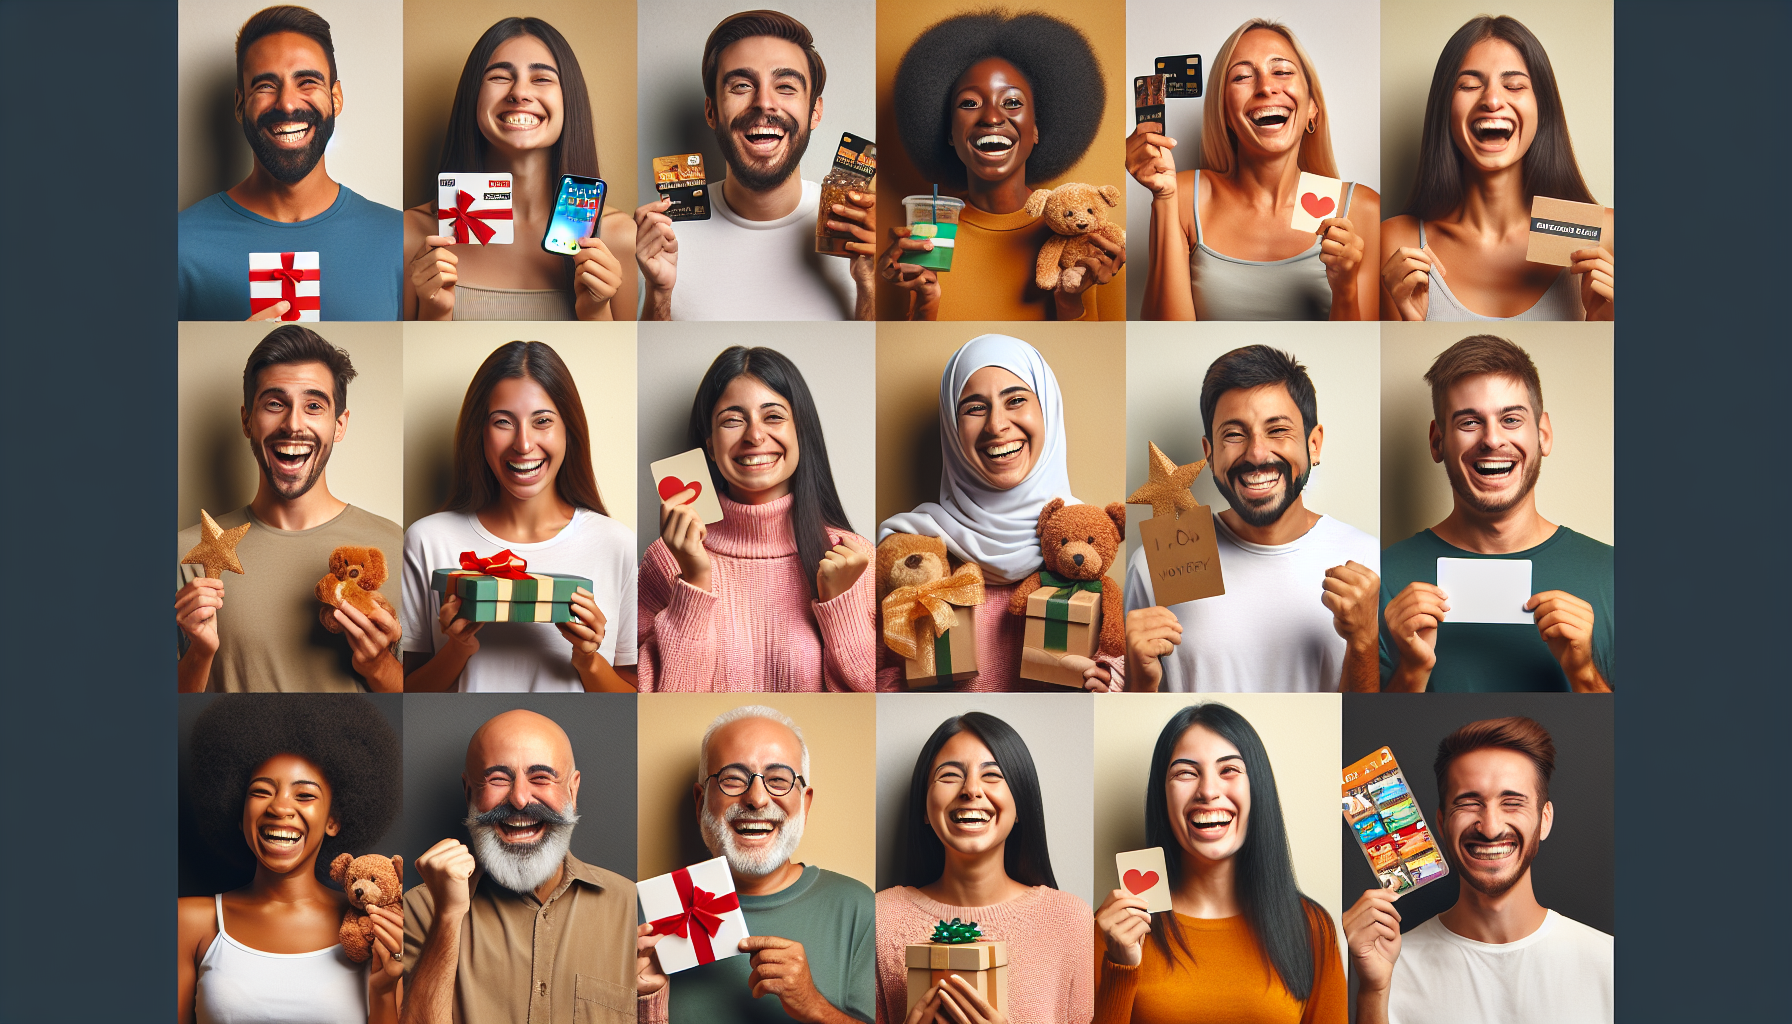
[500, 589]
[475, 208]
[292, 276]
[696, 912]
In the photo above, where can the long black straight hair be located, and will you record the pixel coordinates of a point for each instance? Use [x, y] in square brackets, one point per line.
[816, 505]
[1549, 165]
[1025, 857]
[1280, 916]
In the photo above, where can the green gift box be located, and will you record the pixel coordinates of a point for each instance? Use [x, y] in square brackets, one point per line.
[539, 587]
[515, 611]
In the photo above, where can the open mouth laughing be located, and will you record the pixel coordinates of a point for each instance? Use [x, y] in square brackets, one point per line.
[1483, 849]
[1003, 454]
[754, 831]
[280, 838]
[521, 828]
[753, 464]
[520, 120]
[1210, 824]
[1496, 469]
[1270, 118]
[971, 820]
[1492, 130]
[289, 456]
[526, 470]
[764, 136]
[1258, 485]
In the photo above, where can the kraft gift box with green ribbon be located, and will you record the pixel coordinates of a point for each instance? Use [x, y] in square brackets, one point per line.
[515, 596]
[970, 956]
[1063, 630]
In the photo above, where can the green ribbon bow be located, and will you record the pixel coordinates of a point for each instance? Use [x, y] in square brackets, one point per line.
[956, 932]
[1057, 606]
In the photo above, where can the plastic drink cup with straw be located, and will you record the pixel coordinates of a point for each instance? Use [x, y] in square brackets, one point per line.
[932, 217]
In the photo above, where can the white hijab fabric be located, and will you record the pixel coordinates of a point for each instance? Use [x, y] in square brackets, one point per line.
[980, 524]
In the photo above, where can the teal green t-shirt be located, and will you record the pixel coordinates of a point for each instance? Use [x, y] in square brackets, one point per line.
[833, 916]
[1485, 657]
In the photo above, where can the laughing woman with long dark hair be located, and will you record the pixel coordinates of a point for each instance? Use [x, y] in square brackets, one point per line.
[1495, 138]
[1241, 944]
[775, 596]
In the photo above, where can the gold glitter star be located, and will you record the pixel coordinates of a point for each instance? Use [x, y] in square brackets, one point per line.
[216, 550]
[1168, 491]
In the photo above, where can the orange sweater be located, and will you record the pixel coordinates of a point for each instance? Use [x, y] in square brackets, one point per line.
[993, 269]
[1229, 982]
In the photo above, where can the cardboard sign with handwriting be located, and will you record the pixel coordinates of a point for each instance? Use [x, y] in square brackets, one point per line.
[1142, 873]
[682, 473]
[1183, 556]
[1559, 227]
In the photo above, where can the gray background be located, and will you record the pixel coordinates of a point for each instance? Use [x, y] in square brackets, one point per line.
[602, 729]
[669, 59]
[838, 360]
[1057, 731]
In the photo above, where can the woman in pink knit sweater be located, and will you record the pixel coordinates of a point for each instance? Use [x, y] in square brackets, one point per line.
[775, 596]
[1003, 453]
[976, 851]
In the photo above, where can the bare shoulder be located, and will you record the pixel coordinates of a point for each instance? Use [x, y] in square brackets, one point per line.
[419, 223]
[196, 922]
[617, 229]
[1399, 231]
[1368, 201]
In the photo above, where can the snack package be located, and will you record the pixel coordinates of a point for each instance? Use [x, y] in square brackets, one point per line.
[1388, 825]
[855, 166]
[680, 179]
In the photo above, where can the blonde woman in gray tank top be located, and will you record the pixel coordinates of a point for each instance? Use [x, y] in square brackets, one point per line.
[1220, 245]
[1495, 137]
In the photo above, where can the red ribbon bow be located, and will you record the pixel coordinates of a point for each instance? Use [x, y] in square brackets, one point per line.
[289, 287]
[702, 909]
[503, 565]
[469, 220]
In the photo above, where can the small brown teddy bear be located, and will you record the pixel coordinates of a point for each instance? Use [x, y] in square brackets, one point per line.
[367, 881]
[1079, 542]
[1074, 212]
[356, 575]
[907, 560]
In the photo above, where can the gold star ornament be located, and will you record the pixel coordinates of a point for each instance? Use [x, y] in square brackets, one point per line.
[216, 550]
[1167, 492]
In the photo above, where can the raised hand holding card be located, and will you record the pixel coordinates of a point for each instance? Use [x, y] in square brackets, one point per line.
[1559, 228]
[1148, 99]
[1387, 824]
[475, 208]
[1486, 589]
[1143, 873]
[688, 472]
[1316, 199]
[681, 179]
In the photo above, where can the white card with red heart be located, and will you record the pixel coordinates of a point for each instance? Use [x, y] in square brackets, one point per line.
[681, 473]
[1142, 873]
[1316, 199]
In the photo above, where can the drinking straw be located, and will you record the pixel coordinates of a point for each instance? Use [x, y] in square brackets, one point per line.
[936, 203]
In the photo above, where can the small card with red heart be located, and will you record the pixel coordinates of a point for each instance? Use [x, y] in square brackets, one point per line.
[1142, 873]
[683, 474]
[1317, 198]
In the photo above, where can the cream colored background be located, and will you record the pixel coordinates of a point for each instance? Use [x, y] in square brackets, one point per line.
[1165, 364]
[362, 154]
[1574, 364]
[1299, 730]
[1578, 38]
[216, 468]
[441, 359]
[438, 35]
[841, 730]
[1089, 361]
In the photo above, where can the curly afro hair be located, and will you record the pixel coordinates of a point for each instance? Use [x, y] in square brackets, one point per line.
[344, 734]
[1069, 93]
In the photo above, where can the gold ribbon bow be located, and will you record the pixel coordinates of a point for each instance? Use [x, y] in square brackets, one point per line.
[905, 607]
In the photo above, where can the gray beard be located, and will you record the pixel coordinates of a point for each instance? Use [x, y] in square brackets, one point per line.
[753, 864]
[519, 867]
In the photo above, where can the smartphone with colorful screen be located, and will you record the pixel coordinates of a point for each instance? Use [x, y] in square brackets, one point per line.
[577, 207]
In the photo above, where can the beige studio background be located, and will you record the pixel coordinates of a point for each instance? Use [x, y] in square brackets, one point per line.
[841, 730]
[441, 360]
[217, 470]
[1089, 360]
[1165, 364]
[363, 153]
[1574, 364]
[1299, 730]
[438, 35]
[1578, 38]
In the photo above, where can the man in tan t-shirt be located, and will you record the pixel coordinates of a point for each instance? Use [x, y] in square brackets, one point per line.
[517, 928]
[295, 409]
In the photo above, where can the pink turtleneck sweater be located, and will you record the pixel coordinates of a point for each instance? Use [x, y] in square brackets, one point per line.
[758, 627]
[1050, 979]
[999, 636]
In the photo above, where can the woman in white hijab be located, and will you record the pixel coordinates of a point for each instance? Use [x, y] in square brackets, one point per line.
[1002, 450]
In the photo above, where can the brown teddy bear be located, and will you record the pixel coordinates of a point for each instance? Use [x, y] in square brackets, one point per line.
[1079, 542]
[1074, 212]
[356, 575]
[367, 881]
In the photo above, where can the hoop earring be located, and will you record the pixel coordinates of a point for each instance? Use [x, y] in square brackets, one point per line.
[1311, 124]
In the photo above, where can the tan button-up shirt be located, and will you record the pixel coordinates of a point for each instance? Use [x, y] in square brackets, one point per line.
[567, 960]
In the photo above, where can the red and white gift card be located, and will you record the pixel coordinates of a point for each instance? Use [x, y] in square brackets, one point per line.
[696, 912]
[475, 208]
[1142, 873]
[688, 474]
[289, 276]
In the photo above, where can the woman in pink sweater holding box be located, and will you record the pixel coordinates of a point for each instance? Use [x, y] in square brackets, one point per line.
[775, 597]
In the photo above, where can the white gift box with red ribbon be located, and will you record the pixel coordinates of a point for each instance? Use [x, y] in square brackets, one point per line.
[289, 276]
[475, 208]
[696, 913]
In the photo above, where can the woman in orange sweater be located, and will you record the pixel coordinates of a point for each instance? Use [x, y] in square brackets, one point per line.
[1242, 945]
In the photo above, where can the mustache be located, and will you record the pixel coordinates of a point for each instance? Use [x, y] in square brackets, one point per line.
[1475, 835]
[755, 118]
[770, 812]
[535, 811]
[1239, 469]
[283, 434]
[304, 115]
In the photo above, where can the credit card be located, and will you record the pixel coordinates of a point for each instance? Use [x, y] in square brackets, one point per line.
[681, 179]
[1182, 75]
[1148, 99]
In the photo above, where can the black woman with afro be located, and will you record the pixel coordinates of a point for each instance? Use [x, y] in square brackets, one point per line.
[279, 784]
[991, 106]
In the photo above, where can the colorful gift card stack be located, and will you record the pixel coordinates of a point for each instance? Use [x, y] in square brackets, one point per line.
[697, 912]
[497, 589]
[475, 208]
[1387, 823]
[1062, 631]
[957, 948]
[292, 277]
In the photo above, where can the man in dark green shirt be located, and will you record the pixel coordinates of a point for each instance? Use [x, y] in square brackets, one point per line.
[812, 932]
[1491, 434]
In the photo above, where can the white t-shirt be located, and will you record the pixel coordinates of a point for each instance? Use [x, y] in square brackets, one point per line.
[1559, 974]
[1269, 632]
[730, 268]
[523, 656]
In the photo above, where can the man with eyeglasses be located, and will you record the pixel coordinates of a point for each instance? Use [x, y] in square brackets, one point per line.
[813, 932]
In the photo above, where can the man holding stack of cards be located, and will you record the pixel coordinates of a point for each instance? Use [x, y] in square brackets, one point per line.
[1495, 597]
[811, 946]
[755, 258]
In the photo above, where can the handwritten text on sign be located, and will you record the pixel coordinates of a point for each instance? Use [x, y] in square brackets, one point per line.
[1183, 557]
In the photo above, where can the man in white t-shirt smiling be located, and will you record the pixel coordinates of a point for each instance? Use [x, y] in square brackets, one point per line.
[755, 258]
[1302, 590]
[1497, 955]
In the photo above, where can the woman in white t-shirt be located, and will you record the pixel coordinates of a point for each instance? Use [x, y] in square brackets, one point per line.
[522, 483]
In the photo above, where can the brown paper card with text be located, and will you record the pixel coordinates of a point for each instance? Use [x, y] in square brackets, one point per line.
[1183, 556]
[1559, 227]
